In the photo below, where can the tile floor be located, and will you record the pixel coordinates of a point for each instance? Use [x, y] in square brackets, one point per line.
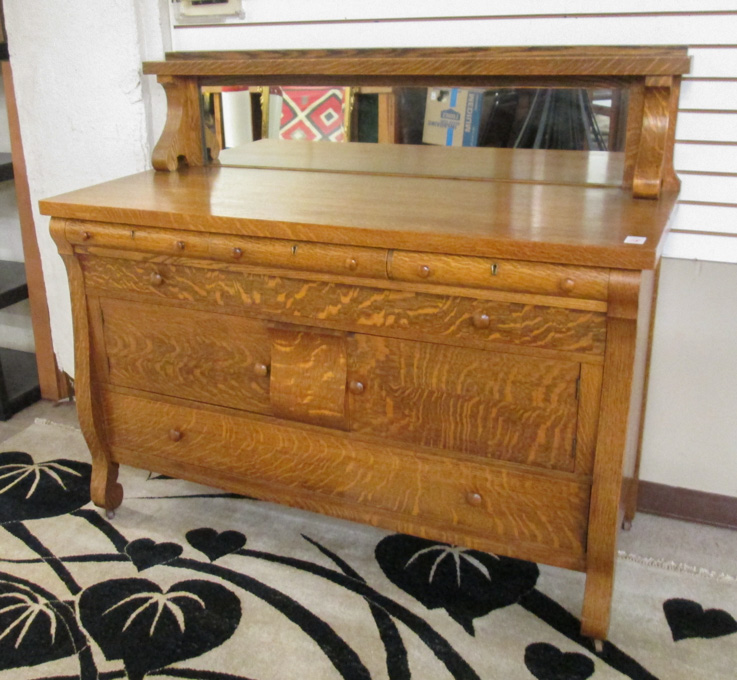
[686, 543]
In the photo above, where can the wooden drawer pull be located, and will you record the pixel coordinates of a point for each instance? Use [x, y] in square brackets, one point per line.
[481, 320]
[156, 279]
[423, 271]
[180, 245]
[351, 263]
[261, 370]
[86, 236]
[356, 387]
[175, 435]
[237, 252]
[567, 285]
[473, 498]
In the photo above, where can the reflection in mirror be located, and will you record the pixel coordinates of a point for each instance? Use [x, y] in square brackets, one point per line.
[562, 118]
[436, 131]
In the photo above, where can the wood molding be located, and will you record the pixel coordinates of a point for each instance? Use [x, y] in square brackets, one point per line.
[491, 61]
[687, 504]
[53, 382]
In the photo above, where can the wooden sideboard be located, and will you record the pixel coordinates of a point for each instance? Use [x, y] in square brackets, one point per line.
[446, 342]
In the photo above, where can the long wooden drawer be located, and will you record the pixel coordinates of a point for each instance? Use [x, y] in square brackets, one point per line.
[328, 258]
[478, 272]
[458, 320]
[535, 514]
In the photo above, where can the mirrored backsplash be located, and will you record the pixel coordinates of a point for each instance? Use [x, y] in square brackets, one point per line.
[529, 118]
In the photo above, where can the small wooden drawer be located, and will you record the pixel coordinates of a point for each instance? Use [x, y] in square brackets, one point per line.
[488, 504]
[353, 261]
[509, 275]
[147, 240]
[301, 256]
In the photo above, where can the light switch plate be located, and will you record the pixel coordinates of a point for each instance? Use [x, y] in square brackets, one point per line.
[209, 8]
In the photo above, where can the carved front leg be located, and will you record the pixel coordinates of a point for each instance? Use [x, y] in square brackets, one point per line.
[604, 519]
[104, 489]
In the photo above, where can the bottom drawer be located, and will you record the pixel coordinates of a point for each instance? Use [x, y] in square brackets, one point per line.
[485, 505]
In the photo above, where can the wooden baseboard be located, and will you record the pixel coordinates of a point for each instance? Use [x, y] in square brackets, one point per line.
[687, 504]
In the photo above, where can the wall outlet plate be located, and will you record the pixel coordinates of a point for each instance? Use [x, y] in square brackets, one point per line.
[209, 8]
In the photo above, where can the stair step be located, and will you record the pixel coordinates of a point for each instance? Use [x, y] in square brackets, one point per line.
[6, 167]
[20, 377]
[13, 287]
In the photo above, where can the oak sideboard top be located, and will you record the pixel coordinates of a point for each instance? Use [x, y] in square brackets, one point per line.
[547, 206]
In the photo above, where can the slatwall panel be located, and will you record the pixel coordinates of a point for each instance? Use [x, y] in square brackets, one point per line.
[704, 227]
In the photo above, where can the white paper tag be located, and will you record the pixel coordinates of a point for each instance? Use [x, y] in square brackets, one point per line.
[637, 240]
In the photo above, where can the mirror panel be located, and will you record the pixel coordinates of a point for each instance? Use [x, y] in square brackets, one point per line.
[591, 120]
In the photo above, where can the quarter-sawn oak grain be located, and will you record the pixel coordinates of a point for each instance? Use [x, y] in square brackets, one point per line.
[437, 341]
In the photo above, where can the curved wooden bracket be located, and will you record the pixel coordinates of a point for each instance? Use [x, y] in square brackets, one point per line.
[182, 138]
[656, 125]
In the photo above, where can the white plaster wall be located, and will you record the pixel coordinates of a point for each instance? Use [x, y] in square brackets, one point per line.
[690, 438]
[76, 68]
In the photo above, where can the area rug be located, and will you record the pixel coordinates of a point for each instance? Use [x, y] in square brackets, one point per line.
[189, 582]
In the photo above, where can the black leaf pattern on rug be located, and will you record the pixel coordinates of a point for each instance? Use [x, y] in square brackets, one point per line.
[468, 584]
[35, 627]
[688, 619]
[215, 545]
[146, 553]
[547, 662]
[30, 490]
[136, 621]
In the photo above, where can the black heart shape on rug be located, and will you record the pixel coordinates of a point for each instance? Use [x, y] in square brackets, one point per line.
[145, 553]
[133, 619]
[30, 490]
[547, 662]
[35, 627]
[687, 619]
[214, 544]
[468, 584]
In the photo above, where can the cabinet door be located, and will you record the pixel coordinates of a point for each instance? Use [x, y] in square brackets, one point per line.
[211, 358]
[501, 406]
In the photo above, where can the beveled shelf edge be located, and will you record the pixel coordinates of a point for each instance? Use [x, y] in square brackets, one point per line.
[481, 61]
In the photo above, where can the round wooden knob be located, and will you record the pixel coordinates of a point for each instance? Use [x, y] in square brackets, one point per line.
[175, 435]
[473, 498]
[403, 323]
[567, 285]
[356, 387]
[180, 245]
[481, 320]
[423, 271]
[237, 252]
[86, 236]
[351, 263]
[261, 370]
[156, 279]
